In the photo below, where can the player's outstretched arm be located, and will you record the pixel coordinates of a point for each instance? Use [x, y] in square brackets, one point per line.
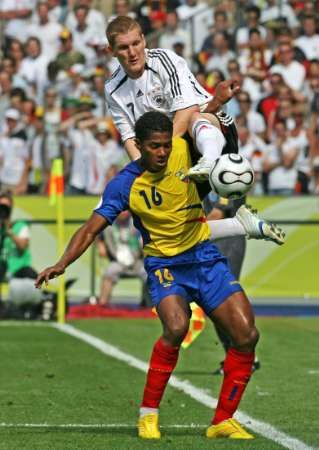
[79, 242]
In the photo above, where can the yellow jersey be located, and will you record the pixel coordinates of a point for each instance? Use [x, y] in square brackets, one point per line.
[165, 209]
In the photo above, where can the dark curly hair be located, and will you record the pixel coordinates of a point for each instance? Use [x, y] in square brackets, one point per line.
[151, 122]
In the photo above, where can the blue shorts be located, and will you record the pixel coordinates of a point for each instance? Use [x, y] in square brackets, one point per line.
[200, 274]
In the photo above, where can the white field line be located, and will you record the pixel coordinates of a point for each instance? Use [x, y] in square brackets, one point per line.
[192, 391]
[93, 425]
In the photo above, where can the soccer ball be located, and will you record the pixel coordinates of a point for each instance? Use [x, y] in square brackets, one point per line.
[231, 176]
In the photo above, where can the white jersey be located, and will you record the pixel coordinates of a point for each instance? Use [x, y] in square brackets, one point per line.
[166, 85]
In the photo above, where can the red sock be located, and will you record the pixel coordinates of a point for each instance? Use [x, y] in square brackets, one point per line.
[237, 372]
[162, 364]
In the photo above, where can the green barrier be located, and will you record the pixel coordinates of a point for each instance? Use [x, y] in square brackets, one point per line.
[268, 271]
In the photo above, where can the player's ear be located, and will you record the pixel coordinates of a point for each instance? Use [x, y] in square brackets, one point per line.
[138, 143]
[110, 49]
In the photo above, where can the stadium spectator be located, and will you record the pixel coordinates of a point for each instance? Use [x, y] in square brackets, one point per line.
[47, 31]
[14, 154]
[282, 14]
[309, 41]
[16, 262]
[255, 121]
[255, 60]
[269, 103]
[5, 87]
[83, 33]
[291, 70]
[97, 92]
[122, 8]
[252, 18]
[280, 162]
[173, 34]
[121, 244]
[16, 51]
[67, 55]
[168, 246]
[94, 19]
[104, 158]
[17, 15]
[196, 16]
[34, 69]
[221, 52]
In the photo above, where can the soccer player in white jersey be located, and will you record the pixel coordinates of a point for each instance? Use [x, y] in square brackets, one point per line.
[159, 79]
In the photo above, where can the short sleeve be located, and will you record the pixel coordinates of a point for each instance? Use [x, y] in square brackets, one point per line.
[114, 199]
[120, 119]
[179, 87]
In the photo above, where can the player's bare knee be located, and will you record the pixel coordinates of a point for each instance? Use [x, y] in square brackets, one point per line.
[175, 330]
[247, 340]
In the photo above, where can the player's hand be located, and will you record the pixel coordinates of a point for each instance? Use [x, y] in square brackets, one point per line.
[225, 90]
[49, 273]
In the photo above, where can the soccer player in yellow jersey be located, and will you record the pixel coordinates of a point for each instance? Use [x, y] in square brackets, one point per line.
[182, 264]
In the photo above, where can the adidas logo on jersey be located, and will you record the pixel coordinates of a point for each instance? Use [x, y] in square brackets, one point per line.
[139, 93]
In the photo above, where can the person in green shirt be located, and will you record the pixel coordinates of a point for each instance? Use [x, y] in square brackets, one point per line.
[15, 255]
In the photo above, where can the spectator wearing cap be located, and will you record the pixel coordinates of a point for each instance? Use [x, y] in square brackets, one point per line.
[67, 55]
[308, 42]
[291, 70]
[77, 87]
[104, 158]
[47, 31]
[17, 16]
[97, 92]
[14, 154]
[175, 34]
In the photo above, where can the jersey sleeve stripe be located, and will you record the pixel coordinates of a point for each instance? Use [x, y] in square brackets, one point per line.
[170, 69]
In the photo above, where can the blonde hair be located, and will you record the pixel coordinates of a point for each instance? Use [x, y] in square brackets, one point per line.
[121, 25]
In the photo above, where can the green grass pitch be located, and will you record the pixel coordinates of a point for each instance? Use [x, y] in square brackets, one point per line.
[48, 377]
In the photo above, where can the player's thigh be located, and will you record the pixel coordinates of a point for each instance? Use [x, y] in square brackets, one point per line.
[236, 317]
[212, 119]
[174, 313]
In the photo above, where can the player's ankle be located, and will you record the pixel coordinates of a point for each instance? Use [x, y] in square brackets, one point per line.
[145, 410]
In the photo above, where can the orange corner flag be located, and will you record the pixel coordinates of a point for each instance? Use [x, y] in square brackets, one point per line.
[56, 183]
[196, 325]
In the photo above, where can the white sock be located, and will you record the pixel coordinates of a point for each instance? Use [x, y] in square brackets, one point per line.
[226, 228]
[144, 410]
[209, 139]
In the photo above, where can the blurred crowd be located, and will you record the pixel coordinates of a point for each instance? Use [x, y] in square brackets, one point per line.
[55, 60]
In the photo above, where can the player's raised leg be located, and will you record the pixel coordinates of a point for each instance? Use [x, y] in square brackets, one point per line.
[174, 314]
[236, 318]
[209, 141]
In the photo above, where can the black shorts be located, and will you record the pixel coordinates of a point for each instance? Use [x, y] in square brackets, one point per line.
[228, 128]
